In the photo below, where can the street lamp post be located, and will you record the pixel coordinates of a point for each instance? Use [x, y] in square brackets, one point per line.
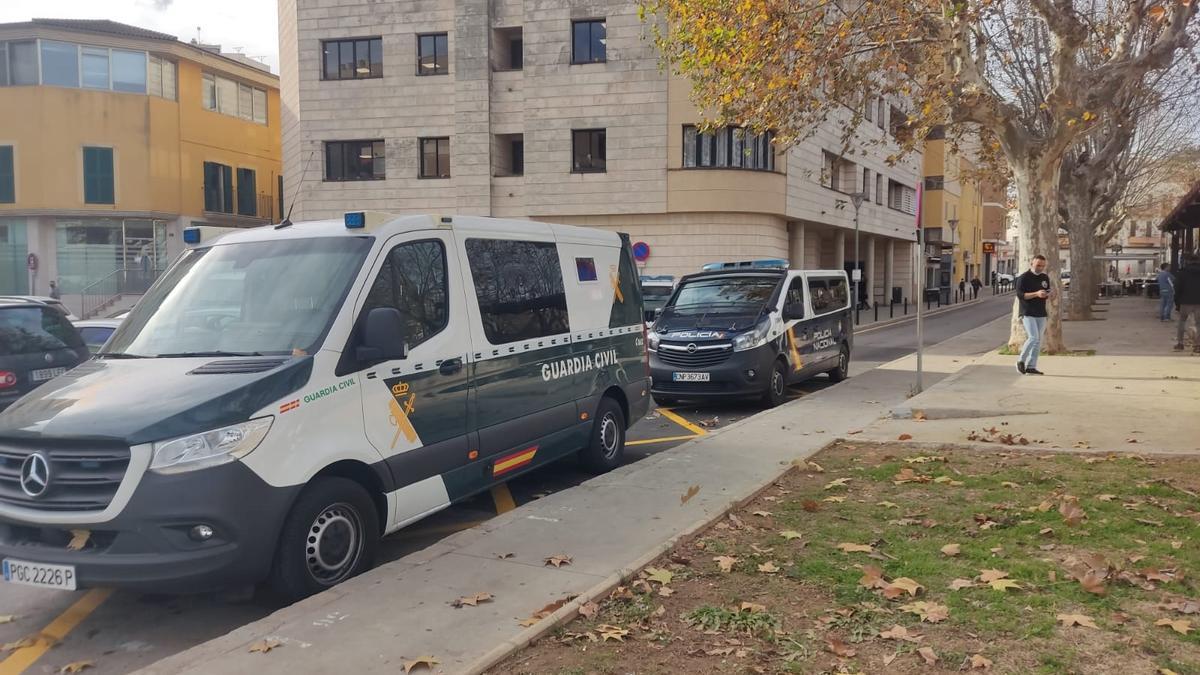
[857, 199]
[953, 223]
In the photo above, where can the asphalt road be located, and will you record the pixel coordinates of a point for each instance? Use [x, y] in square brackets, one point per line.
[121, 631]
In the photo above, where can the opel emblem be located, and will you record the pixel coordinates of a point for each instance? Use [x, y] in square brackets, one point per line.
[691, 347]
[49, 358]
[35, 475]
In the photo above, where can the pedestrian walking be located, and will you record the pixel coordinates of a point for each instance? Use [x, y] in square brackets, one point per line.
[1033, 288]
[962, 288]
[1187, 301]
[54, 292]
[1166, 292]
[976, 284]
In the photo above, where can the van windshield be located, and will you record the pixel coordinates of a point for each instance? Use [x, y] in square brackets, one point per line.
[255, 298]
[728, 294]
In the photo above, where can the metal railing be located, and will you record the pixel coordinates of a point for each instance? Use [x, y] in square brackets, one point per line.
[98, 294]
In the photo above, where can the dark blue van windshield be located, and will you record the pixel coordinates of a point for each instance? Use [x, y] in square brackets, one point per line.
[730, 303]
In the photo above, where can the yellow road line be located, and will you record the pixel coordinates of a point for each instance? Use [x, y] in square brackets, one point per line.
[51, 635]
[503, 498]
[677, 419]
[648, 441]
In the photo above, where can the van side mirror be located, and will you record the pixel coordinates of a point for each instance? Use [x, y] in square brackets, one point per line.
[793, 311]
[657, 312]
[382, 336]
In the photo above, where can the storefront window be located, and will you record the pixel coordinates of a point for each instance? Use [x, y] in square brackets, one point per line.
[14, 275]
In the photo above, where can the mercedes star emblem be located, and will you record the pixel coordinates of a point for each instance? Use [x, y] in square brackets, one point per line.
[35, 475]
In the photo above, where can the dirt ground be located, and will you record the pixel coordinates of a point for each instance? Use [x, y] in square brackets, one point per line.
[885, 558]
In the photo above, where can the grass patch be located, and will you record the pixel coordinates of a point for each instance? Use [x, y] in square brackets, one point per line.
[815, 608]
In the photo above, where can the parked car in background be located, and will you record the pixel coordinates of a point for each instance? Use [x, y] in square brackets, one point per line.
[95, 332]
[45, 300]
[1004, 278]
[37, 344]
[656, 291]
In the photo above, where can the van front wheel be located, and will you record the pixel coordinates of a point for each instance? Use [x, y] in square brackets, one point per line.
[330, 535]
[606, 448]
[842, 371]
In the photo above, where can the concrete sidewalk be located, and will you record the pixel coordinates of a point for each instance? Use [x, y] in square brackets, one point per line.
[609, 526]
[1133, 395]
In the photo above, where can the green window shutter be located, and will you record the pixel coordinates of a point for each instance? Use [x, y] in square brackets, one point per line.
[98, 176]
[7, 176]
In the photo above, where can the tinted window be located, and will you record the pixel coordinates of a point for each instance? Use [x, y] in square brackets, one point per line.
[705, 294]
[627, 296]
[520, 289]
[413, 280]
[840, 292]
[352, 59]
[589, 153]
[433, 54]
[354, 160]
[588, 41]
[60, 64]
[29, 330]
[795, 293]
[586, 267]
[95, 336]
[821, 300]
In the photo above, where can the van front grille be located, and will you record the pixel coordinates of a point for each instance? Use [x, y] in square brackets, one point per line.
[705, 356]
[80, 478]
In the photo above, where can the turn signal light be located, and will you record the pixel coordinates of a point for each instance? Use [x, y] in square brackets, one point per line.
[7, 379]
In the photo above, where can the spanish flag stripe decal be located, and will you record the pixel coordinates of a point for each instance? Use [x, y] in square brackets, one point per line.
[514, 461]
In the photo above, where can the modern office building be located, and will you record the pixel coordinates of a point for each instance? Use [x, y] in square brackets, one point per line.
[560, 111]
[115, 138]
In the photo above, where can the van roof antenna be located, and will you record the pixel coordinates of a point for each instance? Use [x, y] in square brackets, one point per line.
[287, 220]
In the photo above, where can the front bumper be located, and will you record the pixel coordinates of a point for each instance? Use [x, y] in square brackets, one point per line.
[147, 548]
[729, 378]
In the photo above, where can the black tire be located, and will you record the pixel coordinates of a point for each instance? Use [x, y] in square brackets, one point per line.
[606, 447]
[842, 370]
[776, 393]
[330, 535]
[664, 401]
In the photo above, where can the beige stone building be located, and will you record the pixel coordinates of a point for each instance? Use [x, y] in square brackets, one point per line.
[559, 111]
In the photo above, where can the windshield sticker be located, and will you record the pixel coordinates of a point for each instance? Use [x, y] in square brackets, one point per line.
[403, 403]
[559, 369]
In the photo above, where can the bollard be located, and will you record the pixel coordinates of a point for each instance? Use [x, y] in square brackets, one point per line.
[906, 307]
[892, 309]
[857, 319]
[877, 311]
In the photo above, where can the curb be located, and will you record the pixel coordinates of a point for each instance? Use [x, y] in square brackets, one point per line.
[936, 312]
[570, 611]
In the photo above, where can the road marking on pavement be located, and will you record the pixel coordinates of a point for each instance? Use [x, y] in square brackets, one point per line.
[503, 498]
[450, 528]
[666, 439]
[54, 633]
[678, 419]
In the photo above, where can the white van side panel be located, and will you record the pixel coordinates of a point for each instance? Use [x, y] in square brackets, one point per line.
[589, 303]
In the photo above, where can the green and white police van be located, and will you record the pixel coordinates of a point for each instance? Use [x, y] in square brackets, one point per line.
[284, 396]
[750, 329]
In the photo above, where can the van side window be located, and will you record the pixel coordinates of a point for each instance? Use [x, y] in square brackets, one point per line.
[519, 286]
[841, 293]
[413, 280]
[820, 295]
[795, 293]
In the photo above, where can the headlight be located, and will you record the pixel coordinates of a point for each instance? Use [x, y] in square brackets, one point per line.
[210, 448]
[755, 337]
[652, 340]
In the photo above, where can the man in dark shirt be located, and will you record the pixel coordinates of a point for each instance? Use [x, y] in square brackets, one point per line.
[1033, 287]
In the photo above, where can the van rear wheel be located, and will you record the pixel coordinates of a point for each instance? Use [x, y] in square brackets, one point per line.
[330, 535]
[842, 371]
[606, 448]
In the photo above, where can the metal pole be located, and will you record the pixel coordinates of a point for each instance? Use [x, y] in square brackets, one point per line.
[857, 274]
[921, 294]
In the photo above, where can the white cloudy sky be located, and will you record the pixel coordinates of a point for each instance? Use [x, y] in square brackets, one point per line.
[248, 26]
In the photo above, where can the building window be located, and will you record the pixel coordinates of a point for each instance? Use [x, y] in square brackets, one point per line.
[837, 173]
[247, 196]
[352, 59]
[161, 80]
[935, 182]
[899, 125]
[878, 188]
[129, 71]
[588, 153]
[8, 176]
[589, 40]
[881, 118]
[509, 49]
[866, 185]
[510, 154]
[232, 98]
[435, 158]
[218, 188]
[413, 281]
[98, 176]
[354, 160]
[60, 64]
[433, 54]
[519, 286]
[869, 109]
[728, 147]
[94, 67]
[901, 197]
[18, 63]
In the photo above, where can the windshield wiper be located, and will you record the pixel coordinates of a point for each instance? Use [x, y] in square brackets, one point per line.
[182, 355]
[120, 355]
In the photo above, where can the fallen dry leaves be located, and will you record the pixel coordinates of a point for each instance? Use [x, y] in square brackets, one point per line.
[846, 547]
[589, 610]
[76, 667]
[899, 632]
[661, 576]
[610, 632]
[951, 550]
[687, 496]
[839, 648]
[928, 655]
[1181, 626]
[79, 539]
[557, 560]
[959, 584]
[768, 568]
[427, 662]
[930, 612]
[265, 645]
[978, 662]
[905, 437]
[725, 563]
[898, 587]
[1068, 620]
[790, 535]
[471, 600]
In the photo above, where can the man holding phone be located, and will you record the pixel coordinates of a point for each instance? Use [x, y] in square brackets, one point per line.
[1033, 288]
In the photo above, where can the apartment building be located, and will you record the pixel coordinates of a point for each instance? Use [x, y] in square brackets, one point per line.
[559, 111]
[114, 139]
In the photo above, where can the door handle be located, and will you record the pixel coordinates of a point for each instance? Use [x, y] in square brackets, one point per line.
[450, 366]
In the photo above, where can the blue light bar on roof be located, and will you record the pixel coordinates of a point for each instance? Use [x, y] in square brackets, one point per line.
[355, 220]
[191, 235]
[765, 263]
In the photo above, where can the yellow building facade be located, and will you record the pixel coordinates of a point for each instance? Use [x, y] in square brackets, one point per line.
[953, 215]
[112, 140]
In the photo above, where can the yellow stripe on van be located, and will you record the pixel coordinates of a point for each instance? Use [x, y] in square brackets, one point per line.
[399, 419]
[797, 361]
